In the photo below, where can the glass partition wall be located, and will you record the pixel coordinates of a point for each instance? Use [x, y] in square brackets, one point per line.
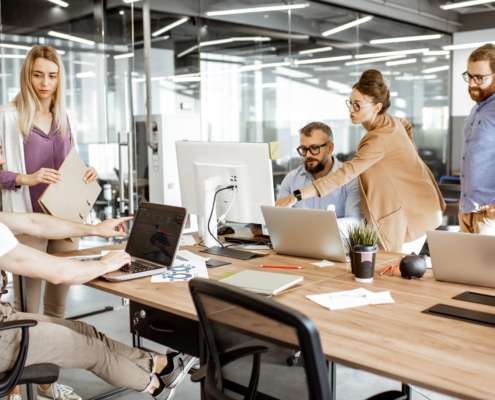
[143, 74]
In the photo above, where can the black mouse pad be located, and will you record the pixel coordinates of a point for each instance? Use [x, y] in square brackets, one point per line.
[474, 297]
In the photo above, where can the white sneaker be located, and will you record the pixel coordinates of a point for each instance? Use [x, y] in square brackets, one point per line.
[56, 391]
[15, 397]
[182, 364]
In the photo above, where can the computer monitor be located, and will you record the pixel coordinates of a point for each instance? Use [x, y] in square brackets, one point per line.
[242, 170]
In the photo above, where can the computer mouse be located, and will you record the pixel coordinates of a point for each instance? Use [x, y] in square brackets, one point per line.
[225, 230]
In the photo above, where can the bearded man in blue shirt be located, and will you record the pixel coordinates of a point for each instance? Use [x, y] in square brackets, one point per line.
[316, 148]
[477, 203]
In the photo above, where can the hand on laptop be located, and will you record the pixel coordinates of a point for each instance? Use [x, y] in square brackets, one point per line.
[114, 260]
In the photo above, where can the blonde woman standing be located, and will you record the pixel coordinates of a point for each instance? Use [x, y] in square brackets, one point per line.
[36, 135]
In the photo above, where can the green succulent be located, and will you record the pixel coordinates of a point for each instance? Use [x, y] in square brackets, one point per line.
[363, 233]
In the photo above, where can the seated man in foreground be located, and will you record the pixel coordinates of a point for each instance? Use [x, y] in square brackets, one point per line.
[316, 146]
[78, 345]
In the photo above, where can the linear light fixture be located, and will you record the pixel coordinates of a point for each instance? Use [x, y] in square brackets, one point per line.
[451, 6]
[20, 56]
[390, 53]
[347, 26]
[317, 50]
[15, 46]
[373, 60]
[257, 9]
[121, 56]
[170, 26]
[435, 69]
[70, 37]
[465, 45]
[59, 3]
[321, 60]
[406, 39]
[89, 74]
[223, 41]
[185, 78]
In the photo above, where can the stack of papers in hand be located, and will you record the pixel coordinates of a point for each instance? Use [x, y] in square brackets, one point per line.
[351, 298]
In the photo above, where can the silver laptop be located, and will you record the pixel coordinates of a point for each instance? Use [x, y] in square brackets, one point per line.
[153, 241]
[462, 257]
[304, 232]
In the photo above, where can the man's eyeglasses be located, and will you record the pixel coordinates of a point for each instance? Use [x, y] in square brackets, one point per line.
[477, 79]
[355, 105]
[315, 150]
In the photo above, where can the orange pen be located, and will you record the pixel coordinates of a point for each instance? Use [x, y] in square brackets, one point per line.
[281, 266]
[389, 267]
[394, 270]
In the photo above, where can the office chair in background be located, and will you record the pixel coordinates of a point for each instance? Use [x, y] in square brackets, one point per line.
[240, 328]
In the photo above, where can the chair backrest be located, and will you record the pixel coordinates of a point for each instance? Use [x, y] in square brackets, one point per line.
[9, 380]
[233, 318]
[19, 373]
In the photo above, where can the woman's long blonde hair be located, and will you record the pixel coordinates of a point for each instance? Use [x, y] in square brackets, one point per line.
[27, 101]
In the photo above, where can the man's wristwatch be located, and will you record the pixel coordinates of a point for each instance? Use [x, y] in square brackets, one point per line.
[297, 194]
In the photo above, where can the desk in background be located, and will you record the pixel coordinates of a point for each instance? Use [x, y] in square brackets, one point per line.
[393, 340]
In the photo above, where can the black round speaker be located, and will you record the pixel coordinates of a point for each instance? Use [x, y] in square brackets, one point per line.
[413, 266]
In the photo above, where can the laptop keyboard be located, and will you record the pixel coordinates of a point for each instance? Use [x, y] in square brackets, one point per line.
[135, 267]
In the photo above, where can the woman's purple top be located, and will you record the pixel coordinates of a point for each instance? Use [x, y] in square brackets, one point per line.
[40, 151]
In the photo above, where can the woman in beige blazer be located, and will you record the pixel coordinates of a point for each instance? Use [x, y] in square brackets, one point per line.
[398, 191]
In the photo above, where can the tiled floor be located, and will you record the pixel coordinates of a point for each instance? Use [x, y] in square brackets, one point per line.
[352, 384]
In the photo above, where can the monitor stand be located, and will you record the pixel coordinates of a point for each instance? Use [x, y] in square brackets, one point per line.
[209, 234]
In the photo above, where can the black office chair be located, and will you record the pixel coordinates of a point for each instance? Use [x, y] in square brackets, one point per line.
[20, 374]
[237, 324]
[450, 187]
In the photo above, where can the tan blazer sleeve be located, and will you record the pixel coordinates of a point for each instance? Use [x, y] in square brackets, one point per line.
[371, 150]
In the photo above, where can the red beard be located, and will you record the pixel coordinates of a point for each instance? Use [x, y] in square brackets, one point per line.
[478, 94]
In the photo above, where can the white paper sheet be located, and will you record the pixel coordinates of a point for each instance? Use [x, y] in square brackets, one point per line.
[351, 298]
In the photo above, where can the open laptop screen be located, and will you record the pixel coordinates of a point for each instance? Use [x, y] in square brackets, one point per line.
[156, 233]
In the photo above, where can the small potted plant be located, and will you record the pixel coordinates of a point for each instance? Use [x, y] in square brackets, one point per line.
[362, 244]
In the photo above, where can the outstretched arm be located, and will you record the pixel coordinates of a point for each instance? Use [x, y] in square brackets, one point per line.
[48, 227]
[306, 193]
[26, 261]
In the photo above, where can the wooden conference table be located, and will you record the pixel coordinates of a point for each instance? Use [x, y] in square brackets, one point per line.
[396, 340]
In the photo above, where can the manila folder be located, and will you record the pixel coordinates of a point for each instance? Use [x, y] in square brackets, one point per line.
[70, 198]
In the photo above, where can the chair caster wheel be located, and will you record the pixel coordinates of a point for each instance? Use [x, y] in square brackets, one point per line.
[291, 361]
